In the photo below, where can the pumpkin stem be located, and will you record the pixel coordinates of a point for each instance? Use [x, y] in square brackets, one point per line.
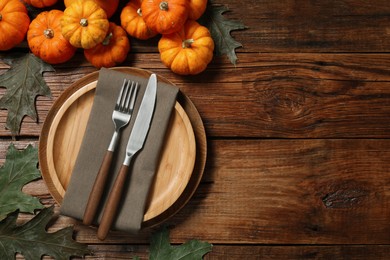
[84, 22]
[106, 41]
[187, 43]
[164, 6]
[49, 33]
[1, 17]
[139, 12]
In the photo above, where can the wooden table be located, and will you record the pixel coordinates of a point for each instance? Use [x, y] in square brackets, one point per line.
[298, 136]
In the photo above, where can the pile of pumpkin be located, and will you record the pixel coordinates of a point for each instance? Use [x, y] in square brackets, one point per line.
[185, 46]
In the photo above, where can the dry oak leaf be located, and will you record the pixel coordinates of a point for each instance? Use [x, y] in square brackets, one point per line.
[24, 82]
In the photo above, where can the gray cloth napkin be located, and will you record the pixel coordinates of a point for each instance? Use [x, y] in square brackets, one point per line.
[95, 142]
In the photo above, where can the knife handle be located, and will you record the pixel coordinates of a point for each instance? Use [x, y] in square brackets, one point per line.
[112, 203]
[97, 189]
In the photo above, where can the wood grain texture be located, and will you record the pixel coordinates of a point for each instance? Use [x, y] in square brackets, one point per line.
[257, 190]
[219, 252]
[299, 253]
[298, 136]
[283, 192]
[312, 26]
[273, 95]
[309, 26]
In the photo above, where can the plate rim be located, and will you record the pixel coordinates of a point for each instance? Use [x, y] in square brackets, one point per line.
[183, 100]
[52, 130]
[55, 124]
[191, 138]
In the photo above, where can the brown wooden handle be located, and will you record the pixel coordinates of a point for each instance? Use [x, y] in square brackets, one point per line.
[111, 206]
[97, 189]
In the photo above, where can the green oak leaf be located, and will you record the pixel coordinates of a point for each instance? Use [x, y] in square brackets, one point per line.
[19, 169]
[161, 249]
[32, 241]
[23, 82]
[220, 29]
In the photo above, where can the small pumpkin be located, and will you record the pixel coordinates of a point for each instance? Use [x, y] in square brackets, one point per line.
[14, 22]
[133, 23]
[40, 3]
[188, 51]
[112, 51]
[109, 6]
[45, 39]
[196, 8]
[165, 16]
[84, 24]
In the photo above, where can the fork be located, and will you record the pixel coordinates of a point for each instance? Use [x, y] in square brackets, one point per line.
[121, 116]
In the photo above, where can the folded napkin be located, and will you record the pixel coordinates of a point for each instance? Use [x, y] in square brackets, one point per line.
[95, 143]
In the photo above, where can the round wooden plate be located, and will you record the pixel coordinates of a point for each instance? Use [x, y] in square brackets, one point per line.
[180, 168]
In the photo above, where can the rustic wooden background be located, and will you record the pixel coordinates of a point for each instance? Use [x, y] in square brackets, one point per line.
[298, 136]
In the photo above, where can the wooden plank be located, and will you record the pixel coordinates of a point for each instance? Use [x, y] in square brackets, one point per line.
[279, 192]
[291, 26]
[269, 95]
[221, 252]
[299, 252]
[292, 191]
[298, 96]
[315, 71]
[296, 108]
[311, 26]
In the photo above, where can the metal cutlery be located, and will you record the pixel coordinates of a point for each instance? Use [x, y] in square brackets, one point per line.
[135, 144]
[121, 116]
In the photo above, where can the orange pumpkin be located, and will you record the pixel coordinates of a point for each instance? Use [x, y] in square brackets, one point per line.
[189, 51]
[196, 8]
[112, 51]
[165, 16]
[133, 23]
[45, 39]
[109, 6]
[14, 22]
[84, 24]
[40, 3]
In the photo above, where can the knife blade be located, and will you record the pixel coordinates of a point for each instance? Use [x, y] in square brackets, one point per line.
[136, 141]
[143, 120]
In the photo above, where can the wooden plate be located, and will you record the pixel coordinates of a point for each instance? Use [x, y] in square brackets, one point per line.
[64, 128]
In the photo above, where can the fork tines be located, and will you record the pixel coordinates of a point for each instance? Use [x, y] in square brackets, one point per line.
[126, 99]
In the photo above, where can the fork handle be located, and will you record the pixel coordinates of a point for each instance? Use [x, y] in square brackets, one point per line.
[112, 203]
[97, 189]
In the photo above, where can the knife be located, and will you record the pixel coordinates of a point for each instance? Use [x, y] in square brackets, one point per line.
[136, 141]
